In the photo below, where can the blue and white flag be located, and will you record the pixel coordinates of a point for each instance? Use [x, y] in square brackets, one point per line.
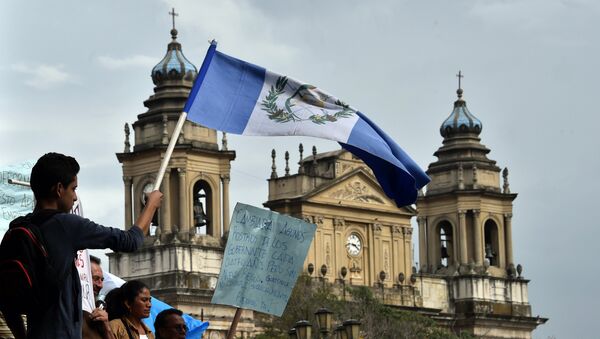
[235, 96]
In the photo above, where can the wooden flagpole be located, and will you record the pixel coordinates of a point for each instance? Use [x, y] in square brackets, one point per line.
[169, 152]
[236, 319]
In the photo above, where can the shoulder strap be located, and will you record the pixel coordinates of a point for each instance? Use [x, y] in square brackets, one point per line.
[127, 329]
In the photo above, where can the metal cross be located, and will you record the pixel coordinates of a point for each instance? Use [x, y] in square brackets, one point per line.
[459, 76]
[173, 14]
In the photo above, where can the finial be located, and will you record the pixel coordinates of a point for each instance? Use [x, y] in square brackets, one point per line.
[287, 163]
[314, 165]
[273, 167]
[505, 187]
[224, 142]
[459, 91]
[127, 144]
[173, 31]
[165, 133]
[301, 168]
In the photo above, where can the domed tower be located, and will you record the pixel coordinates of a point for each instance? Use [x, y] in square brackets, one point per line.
[464, 216]
[465, 237]
[180, 260]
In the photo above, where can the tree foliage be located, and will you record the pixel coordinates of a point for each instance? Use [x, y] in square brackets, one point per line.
[377, 320]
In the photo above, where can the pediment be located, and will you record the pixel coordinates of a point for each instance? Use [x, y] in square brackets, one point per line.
[357, 187]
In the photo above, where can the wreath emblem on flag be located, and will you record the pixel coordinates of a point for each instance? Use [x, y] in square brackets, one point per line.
[309, 96]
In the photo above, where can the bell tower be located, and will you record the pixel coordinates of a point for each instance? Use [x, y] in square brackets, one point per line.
[181, 258]
[465, 215]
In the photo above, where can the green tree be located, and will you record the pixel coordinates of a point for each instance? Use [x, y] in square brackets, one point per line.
[378, 321]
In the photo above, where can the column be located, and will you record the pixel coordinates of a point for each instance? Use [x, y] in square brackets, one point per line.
[433, 248]
[127, 181]
[422, 242]
[184, 225]
[508, 238]
[462, 229]
[478, 252]
[225, 204]
[165, 222]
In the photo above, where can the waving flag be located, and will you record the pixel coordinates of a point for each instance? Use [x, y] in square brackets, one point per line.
[235, 96]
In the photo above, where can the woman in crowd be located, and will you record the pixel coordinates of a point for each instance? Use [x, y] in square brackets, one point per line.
[126, 307]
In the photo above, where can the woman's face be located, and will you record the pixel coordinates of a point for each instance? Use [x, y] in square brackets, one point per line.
[140, 308]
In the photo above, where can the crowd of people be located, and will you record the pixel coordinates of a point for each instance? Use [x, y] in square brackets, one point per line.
[120, 314]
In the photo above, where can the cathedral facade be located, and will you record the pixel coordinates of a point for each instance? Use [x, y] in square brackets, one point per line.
[467, 277]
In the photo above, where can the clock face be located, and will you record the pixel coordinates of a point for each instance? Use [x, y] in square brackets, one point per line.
[353, 244]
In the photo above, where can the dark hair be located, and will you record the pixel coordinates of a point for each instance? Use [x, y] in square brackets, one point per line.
[161, 319]
[95, 260]
[49, 170]
[115, 299]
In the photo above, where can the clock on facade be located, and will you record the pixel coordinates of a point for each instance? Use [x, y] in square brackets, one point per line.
[353, 244]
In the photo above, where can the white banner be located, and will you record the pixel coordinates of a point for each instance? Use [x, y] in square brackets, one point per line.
[15, 200]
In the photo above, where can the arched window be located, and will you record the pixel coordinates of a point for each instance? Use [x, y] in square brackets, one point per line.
[202, 207]
[491, 252]
[446, 244]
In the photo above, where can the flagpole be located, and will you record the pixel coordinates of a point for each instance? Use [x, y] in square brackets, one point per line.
[169, 152]
[19, 182]
[236, 319]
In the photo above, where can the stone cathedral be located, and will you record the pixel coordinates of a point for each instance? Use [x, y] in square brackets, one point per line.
[467, 277]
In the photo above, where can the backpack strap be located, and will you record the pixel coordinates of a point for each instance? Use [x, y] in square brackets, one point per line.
[127, 329]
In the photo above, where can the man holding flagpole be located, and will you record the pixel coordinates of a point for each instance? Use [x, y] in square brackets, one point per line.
[54, 184]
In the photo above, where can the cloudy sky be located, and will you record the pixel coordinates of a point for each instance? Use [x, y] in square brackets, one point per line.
[73, 72]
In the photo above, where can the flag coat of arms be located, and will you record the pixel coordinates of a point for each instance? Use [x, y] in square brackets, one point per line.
[235, 96]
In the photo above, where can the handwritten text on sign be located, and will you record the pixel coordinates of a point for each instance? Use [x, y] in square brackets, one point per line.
[264, 254]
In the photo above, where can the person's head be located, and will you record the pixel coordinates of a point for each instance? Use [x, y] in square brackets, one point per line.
[169, 324]
[54, 178]
[132, 299]
[97, 275]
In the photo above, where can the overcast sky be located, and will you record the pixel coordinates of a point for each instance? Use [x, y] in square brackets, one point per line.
[73, 72]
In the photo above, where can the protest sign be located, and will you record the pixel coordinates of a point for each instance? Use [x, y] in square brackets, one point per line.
[15, 200]
[82, 262]
[264, 254]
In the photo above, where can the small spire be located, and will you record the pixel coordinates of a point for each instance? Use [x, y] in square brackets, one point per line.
[506, 186]
[301, 168]
[287, 163]
[224, 142]
[314, 165]
[127, 144]
[273, 167]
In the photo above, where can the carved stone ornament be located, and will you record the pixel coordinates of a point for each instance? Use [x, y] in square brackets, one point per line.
[397, 229]
[377, 227]
[407, 231]
[339, 223]
[357, 191]
[355, 266]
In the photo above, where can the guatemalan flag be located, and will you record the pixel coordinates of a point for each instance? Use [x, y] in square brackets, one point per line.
[238, 97]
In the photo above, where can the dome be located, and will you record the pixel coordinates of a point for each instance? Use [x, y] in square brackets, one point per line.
[460, 120]
[174, 66]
